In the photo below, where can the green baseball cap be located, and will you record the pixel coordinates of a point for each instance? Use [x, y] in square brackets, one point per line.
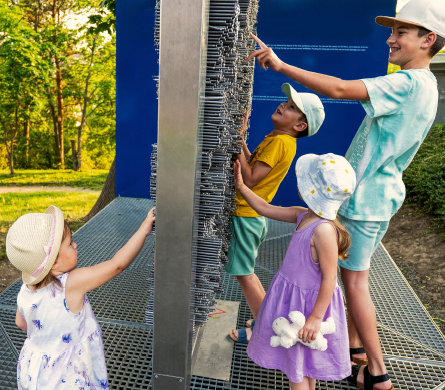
[309, 104]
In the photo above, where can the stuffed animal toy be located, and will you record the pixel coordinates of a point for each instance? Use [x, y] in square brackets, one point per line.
[287, 333]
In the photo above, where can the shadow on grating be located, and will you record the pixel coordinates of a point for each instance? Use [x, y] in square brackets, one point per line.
[198, 383]
[8, 361]
[276, 229]
[128, 355]
[396, 344]
[397, 305]
[123, 298]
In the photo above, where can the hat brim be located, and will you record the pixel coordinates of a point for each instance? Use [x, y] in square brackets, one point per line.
[293, 94]
[387, 21]
[303, 167]
[29, 279]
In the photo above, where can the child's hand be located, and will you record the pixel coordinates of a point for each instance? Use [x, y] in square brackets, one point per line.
[265, 56]
[148, 223]
[238, 177]
[310, 329]
[243, 128]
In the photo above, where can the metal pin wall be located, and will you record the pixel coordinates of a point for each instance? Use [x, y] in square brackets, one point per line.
[228, 95]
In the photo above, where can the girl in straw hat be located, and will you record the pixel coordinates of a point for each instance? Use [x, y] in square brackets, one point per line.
[307, 278]
[64, 347]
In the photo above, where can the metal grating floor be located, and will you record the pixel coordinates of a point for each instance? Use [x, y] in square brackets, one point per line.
[413, 347]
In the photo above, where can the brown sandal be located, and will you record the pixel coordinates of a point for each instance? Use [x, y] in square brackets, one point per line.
[353, 351]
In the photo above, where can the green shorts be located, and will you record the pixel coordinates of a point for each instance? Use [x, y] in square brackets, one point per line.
[247, 235]
[365, 236]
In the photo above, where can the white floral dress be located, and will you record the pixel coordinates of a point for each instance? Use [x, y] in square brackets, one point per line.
[63, 350]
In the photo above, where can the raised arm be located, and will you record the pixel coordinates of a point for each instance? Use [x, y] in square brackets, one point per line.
[252, 175]
[82, 280]
[329, 86]
[284, 214]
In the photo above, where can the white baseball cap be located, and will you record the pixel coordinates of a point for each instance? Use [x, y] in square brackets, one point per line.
[325, 182]
[309, 104]
[424, 13]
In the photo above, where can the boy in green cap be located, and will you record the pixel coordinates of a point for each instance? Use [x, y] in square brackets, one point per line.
[400, 109]
[263, 170]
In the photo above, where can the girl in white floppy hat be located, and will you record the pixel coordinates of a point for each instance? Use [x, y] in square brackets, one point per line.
[64, 347]
[307, 278]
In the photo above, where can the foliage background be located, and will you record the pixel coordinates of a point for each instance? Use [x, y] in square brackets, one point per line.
[425, 177]
[49, 48]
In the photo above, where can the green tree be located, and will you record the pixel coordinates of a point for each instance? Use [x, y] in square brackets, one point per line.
[22, 75]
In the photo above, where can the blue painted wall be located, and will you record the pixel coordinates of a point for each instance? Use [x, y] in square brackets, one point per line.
[339, 38]
[136, 99]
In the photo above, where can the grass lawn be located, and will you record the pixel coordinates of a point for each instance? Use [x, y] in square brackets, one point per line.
[74, 205]
[93, 179]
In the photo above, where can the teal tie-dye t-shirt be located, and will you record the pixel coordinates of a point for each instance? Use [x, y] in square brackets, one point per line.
[400, 113]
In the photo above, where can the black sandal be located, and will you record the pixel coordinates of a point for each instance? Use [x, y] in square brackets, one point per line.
[353, 351]
[369, 379]
[355, 369]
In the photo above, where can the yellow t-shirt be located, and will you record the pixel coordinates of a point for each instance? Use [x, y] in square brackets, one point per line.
[277, 152]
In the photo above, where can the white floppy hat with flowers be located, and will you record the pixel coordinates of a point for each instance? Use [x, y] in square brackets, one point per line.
[33, 243]
[325, 182]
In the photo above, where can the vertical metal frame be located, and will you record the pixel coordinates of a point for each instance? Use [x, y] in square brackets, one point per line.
[183, 43]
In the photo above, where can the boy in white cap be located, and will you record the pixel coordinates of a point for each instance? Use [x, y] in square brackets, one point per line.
[400, 109]
[263, 170]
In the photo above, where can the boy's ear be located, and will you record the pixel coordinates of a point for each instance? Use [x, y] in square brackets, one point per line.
[429, 40]
[300, 126]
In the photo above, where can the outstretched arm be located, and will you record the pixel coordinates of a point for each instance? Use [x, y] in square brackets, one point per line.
[285, 214]
[332, 87]
[325, 241]
[252, 175]
[82, 280]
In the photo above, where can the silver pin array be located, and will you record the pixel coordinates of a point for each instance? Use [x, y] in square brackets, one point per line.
[228, 95]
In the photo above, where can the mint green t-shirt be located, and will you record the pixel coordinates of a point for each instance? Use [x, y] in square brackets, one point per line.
[400, 113]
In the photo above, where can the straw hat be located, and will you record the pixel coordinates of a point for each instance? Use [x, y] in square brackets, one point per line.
[325, 182]
[33, 243]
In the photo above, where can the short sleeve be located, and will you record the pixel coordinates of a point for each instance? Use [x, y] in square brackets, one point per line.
[387, 93]
[273, 153]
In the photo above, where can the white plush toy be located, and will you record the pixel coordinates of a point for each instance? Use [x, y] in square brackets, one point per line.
[287, 333]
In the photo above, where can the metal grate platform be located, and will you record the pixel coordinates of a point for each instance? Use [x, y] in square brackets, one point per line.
[413, 347]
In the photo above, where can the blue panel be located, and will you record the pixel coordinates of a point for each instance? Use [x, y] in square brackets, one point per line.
[136, 100]
[338, 38]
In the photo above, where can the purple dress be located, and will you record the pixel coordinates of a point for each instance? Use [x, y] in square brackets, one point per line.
[295, 287]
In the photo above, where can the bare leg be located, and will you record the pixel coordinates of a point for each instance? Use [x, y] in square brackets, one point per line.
[354, 338]
[254, 293]
[307, 384]
[361, 312]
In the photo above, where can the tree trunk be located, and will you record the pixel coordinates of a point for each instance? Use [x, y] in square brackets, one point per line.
[107, 194]
[26, 136]
[60, 112]
[74, 154]
[58, 117]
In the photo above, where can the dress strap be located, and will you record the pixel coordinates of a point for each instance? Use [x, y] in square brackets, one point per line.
[300, 217]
